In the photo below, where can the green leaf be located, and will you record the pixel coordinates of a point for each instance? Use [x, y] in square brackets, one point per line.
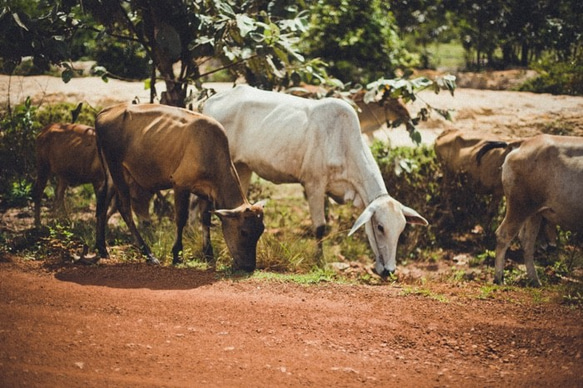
[66, 75]
[415, 136]
[18, 21]
[245, 24]
[75, 112]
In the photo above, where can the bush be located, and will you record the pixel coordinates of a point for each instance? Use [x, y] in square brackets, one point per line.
[18, 130]
[122, 59]
[413, 176]
[557, 78]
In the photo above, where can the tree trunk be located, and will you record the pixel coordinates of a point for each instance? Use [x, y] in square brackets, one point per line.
[524, 54]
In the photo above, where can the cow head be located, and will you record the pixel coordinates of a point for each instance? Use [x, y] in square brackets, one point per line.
[385, 219]
[242, 228]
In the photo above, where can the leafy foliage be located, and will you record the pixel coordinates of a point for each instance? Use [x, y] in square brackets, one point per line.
[358, 39]
[407, 90]
[39, 29]
[18, 130]
[557, 77]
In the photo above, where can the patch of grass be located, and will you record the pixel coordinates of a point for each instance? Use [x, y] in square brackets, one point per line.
[317, 275]
[425, 292]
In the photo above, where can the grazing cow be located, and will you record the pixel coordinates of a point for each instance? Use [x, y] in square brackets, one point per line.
[458, 154]
[373, 115]
[317, 143]
[164, 147]
[479, 159]
[542, 179]
[69, 151]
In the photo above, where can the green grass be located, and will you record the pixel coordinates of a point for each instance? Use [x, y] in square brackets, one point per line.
[450, 56]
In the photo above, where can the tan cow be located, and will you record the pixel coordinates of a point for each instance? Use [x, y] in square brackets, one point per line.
[69, 151]
[479, 160]
[373, 115]
[458, 153]
[164, 147]
[542, 179]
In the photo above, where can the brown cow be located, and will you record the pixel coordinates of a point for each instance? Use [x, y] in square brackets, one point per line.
[542, 179]
[69, 151]
[479, 159]
[373, 115]
[458, 152]
[165, 147]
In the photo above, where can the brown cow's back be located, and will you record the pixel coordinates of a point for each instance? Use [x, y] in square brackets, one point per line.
[164, 147]
[457, 152]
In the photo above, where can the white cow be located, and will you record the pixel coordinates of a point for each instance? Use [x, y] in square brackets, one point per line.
[542, 180]
[317, 143]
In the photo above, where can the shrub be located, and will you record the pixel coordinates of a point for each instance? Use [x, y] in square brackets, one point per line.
[414, 177]
[127, 60]
[18, 130]
[557, 78]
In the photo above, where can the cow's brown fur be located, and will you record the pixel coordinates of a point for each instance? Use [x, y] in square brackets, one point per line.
[477, 160]
[542, 180]
[69, 151]
[374, 115]
[164, 147]
[457, 152]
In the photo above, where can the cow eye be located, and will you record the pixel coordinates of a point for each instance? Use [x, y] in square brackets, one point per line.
[381, 228]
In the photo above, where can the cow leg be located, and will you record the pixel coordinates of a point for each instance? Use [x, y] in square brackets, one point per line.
[528, 236]
[205, 208]
[125, 208]
[42, 177]
[181, 203]
[508, 229]
[316, 201]
[104, 195]
[60, 209]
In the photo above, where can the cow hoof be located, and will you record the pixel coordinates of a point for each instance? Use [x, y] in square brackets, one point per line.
[152, 260]
[177, 260]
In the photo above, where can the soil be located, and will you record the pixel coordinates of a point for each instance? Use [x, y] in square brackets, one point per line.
[134, 325]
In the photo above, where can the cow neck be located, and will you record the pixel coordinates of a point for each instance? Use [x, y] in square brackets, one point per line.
[371, 185]
[230, 195]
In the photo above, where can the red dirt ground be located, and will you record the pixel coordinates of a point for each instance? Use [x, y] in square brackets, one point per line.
[133, 325]
[140, 326]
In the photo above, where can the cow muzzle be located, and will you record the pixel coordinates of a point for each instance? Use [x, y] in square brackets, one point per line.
[246, 264]
[381, 270]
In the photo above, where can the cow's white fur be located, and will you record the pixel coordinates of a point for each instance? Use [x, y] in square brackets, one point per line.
[317, 143]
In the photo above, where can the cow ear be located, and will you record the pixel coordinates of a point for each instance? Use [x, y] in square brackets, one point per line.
[362, 219]
[413, 217]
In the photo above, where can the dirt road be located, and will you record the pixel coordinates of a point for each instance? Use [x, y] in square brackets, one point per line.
[134, 325]
[141, 326]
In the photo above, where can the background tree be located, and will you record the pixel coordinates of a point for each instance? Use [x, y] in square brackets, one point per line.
[358, 39]
[179, 37]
